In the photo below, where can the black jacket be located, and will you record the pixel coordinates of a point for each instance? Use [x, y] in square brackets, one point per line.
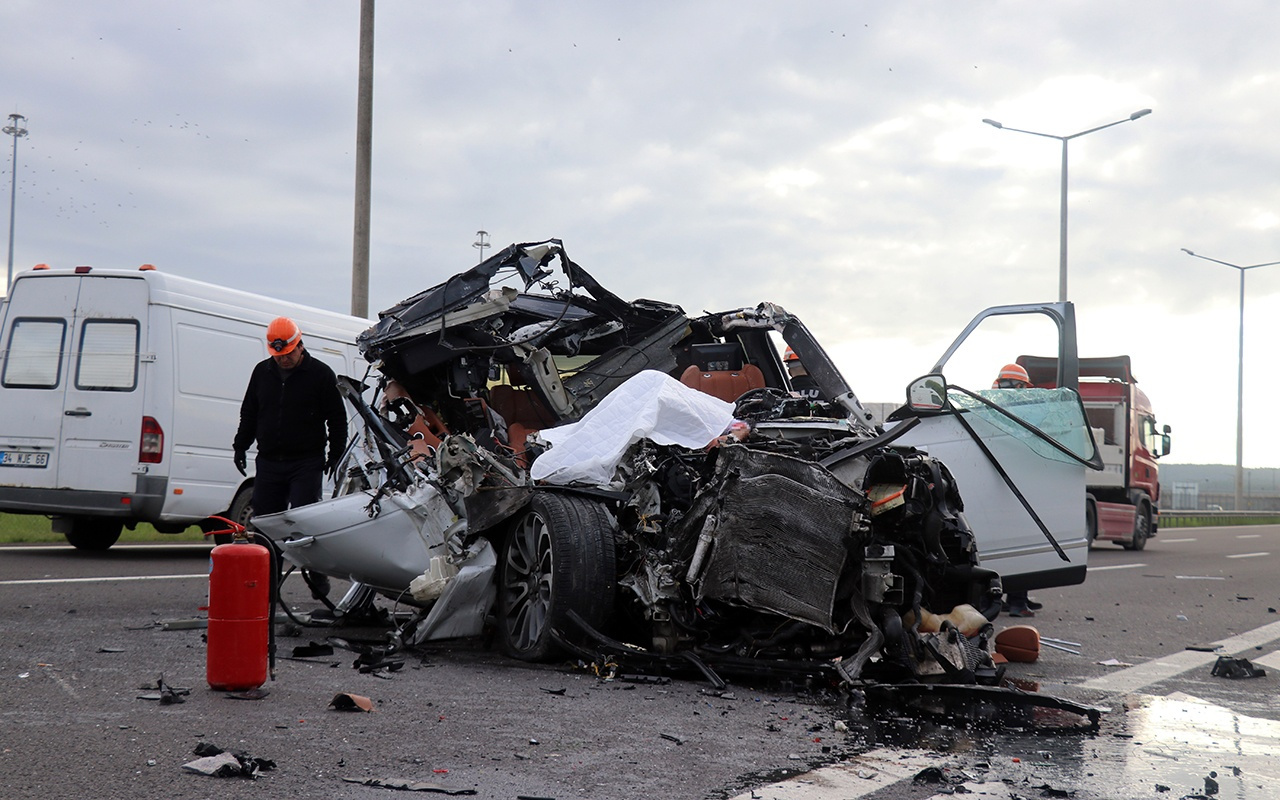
[288, 416]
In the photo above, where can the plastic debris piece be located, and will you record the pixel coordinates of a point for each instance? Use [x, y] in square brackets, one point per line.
[671, 738]
[559, 691]
[312, 650]
[1228, 667]
[218, 763]
[1020, 643]
[223, 765]
[345, 701]
[110, 649]
[410, 786]
[1114, 662]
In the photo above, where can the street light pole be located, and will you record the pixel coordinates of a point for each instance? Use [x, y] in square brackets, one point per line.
[1062, 221]
[1239, 376]
[14, 129]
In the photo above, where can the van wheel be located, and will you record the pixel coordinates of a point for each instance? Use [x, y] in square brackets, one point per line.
[1141, 528]
[94, 534]
[1090, 522]
[558, 558]
[241, 511]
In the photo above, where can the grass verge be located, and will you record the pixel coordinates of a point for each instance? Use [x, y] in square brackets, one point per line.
[33, 528]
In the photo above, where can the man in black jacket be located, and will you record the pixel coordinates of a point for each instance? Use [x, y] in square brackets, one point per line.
[291, 400]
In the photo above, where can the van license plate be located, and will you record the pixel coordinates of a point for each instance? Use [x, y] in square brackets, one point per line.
[20, 458]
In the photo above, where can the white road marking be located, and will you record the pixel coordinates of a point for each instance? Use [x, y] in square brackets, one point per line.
[857, 777]
[1172, 541]
[1199, 578]
[1249, 536]
[1116, 566]
[42, 581]
[1271, 659]
[1143, 675]
[1248, 555]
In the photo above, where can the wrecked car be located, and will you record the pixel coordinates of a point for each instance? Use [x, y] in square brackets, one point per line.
[590, 473]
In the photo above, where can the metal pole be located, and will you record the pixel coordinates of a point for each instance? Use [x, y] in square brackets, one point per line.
[1239, 374]
[1240, 406]
[1062, 220]
[1062, 231]
[14, 129]
[364, 164]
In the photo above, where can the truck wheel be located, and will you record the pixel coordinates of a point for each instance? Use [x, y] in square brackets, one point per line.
[94, 534]
[1090, 522]
[558, 558]
[1141, 528]
[240, 512]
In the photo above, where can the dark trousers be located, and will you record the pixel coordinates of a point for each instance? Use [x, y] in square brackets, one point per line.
[278, 485]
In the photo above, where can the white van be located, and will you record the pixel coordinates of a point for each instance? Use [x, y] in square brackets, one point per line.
[120, 394]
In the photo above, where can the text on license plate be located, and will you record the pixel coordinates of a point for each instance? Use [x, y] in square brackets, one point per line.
[23, 458]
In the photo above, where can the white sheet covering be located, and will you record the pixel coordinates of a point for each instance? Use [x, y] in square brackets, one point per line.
[651, 405]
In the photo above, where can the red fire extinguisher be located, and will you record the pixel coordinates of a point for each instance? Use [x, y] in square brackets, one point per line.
[240, 601]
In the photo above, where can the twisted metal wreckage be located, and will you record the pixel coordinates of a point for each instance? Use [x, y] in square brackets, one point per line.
[532, 458]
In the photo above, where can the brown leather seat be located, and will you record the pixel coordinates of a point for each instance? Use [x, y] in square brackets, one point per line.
[524, 413]
[728, 385]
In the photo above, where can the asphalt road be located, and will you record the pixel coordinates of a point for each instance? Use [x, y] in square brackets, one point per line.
[80, 635]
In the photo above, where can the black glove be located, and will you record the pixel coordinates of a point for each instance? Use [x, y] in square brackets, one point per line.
[239, 461]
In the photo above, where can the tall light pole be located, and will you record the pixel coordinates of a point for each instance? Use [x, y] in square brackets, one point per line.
[1239, 376]
[1062, 233]
[14, 129]
[481, 242]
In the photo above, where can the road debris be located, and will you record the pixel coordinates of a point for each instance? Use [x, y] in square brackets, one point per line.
[345, 701]
[166, 694]
[218, 763]
[410, 786]
[1228, 667]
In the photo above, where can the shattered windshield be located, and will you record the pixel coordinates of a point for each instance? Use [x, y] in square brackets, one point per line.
[1056, 413]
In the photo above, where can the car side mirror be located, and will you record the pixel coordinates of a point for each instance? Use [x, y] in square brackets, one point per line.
[928, 393]
[1164, 443]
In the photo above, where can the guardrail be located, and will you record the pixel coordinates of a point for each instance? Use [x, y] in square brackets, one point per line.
[1199, 519]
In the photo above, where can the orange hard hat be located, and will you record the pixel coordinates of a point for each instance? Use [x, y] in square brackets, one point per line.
[1012, 372]
[283, 335]
[789, 356]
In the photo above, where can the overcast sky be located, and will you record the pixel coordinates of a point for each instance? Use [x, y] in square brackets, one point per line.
[827, 156]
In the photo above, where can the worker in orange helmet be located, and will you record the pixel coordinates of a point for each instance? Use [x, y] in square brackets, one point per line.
[292, 408]
[1012, 376]
[801, 382]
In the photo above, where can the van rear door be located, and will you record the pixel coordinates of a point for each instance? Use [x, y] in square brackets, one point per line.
[34, 379]
[103, 408]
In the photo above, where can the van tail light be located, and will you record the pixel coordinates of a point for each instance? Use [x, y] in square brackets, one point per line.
[152, 445]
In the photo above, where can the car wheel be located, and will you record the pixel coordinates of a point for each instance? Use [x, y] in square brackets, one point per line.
[1141, 528]
[1090, 521]
[240, 512]
[94, 534]
[559, 557]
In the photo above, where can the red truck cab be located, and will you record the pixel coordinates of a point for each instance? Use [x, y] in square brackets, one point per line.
[1122, 501]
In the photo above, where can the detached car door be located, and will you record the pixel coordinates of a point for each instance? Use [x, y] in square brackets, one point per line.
[1019, 456]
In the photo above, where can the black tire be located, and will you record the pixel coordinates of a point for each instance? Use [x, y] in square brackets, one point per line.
[241, 510]
[559, 557]
[94, 534]
[1090, 521]
[1141, 528]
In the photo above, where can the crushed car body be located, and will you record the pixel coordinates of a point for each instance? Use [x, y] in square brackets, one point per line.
[593, 474]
